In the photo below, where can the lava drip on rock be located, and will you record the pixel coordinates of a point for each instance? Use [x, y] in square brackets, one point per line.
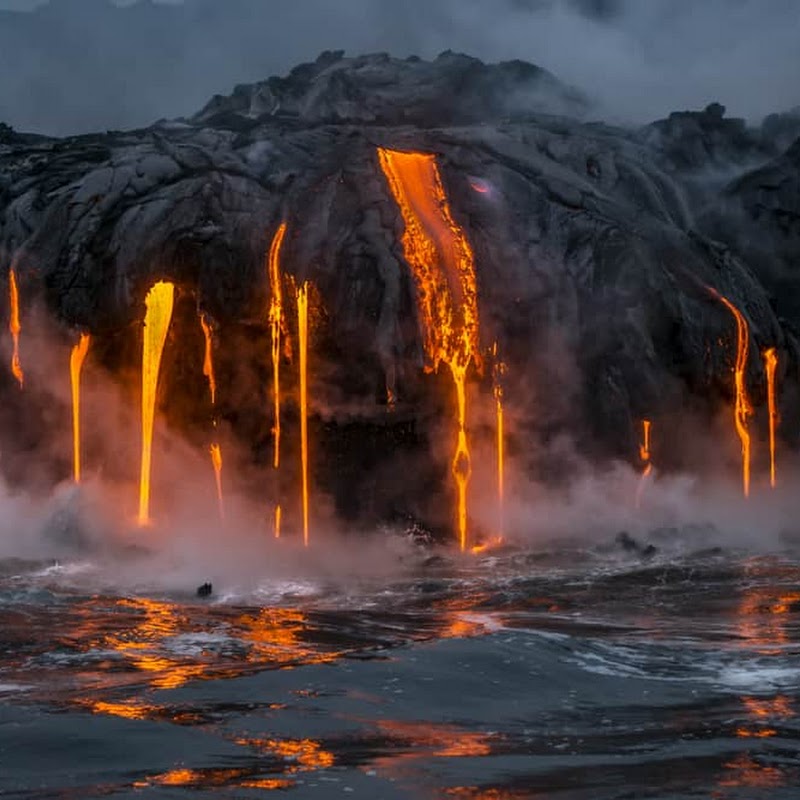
[743, 409]
[14, 326]
[645, 456]
[302, 339]
[771, 367]
[277, 330]
[215, 450]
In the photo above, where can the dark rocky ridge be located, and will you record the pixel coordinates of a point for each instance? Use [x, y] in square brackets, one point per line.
[593, 245]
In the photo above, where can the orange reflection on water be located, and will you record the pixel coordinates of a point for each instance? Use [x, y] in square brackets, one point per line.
[746, 772]
[421, 741]
[762, 620]
[306, 755]
[476, 793]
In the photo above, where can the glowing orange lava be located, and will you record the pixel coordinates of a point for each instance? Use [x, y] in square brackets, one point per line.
[208, 370]
[76, 360]
[441, 260]
[208, 360]
[159, 303]
[645, 457]
[277, 325]
[277, 328]
[771, 366]
[216, 460]
[302, 336]
[742, 408]
[14, 326]
[499, 371]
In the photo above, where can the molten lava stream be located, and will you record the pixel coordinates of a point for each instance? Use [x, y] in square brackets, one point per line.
[208, 359]
[159, 303]
[216, 460]
[14, 326]
[771, 366]
[76, 360]
[441, 261]
[499, 371]
[742, 408]
[645, 458]
[208, 370]
[277, 325]
[302, 335]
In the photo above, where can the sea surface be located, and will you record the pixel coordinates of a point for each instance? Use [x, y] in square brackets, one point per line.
[563, 671]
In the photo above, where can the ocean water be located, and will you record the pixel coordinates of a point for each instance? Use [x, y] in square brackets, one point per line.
[567, 671]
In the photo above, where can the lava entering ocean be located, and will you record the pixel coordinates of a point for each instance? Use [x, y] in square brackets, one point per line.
[159, 303]
[76, 360]
[441, 260]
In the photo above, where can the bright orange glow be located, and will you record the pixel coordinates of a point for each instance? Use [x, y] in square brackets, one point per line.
[742, 408]
[645, 457]
[441, 260]
[14, 326]
[762, 622]
[277, 524]
[498, 372]
[159, 303]
[304, 755]
[277, 325]
[302, 336]
[216, 460]
[208, 360]
[76, 360]
[771, 366]
[208, 370]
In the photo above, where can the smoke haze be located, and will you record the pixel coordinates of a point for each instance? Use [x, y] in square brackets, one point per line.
[71, 66]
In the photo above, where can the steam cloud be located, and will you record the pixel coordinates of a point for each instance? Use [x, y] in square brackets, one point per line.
[72, 67]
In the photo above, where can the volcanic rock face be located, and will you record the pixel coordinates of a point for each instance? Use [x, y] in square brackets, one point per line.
[593, 262]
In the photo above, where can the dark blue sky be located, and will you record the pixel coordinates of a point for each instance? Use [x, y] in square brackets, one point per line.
[80, 65]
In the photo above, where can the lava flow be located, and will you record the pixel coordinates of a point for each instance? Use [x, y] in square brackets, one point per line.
[645, 457]
[302, 335]
[277, 326]
[159, 305]
[498, 372]
[208, 370]
[771, 366]
[441, 260]
[76, 360]
[14, 326]
[742, 409]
